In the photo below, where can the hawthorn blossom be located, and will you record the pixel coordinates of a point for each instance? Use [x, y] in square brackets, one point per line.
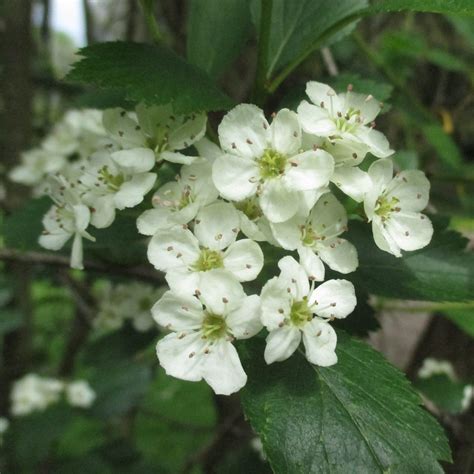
[80, 394]
[317, 238]
[393, 204]
[34, 393]
[267, 161]
[292, 310]
[178, 202]
[187, 257]
[116, 180]
[68, 217]
[203, 326]
[343, 116]
[156, 128]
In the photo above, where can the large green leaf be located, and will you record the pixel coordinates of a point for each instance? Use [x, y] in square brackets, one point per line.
[358, 416]
[442, 271]
[150, 74]
[464, 7]
[217, 31]
[297, 27]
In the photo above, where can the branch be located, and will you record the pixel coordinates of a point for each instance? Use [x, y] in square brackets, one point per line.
[140, 272]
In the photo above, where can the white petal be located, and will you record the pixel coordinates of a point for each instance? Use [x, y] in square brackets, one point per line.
[182, 357]
[281, 344]
[135, 160]
[288, 233]
[278, 202]
[178, 313]
[153, 118]
[132, 192]
[382, 238]
[153, 220]
[316, 120]
[175, 157]
[244, 322]
[347, 151]
[103, 213]
[236, 178]
[320, 340]
[123, 129]
[411, 188]
[220, 292]
[294, 276]
[319, 92]
[328, 217]
[380, 173]
[244, 259]
[250, 228]
[217, 225]
[352, 181]
[376, 141]
[286, 132]
[311, 263]
[339, 254]
[186, 132]
[275, 304]
[223, 370]
[334, 299]
[82, 216]
[77, 253]
[410, 230]
[311, 170]
[175, 248]
[183, 281]
[244, 131]
[54, 241]
[207, 149]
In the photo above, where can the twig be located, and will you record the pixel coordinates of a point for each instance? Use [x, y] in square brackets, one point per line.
[329, 61]
[141, 272]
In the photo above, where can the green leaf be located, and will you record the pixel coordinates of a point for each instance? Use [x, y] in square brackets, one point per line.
[10, 319]
[463, 318]
[217, 32]
[297, 27]
[446, 394]
[360, 413]
[464, 7]
[444, 145]
[150, 74]
[442, 271]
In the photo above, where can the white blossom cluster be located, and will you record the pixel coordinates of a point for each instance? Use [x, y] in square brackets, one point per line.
[125, 302]
[268, 182]
[35, 393]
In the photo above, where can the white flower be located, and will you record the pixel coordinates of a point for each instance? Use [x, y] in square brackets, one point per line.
[68, 217]
[203, 328]
[186, 257]
[342, 116]
[4, 423]
[394, 204]
[177, 203]
[267, 161]
[156, 128]
[116, 180]
[432, 367]
[292, 309]
[317, 238]
[34, 393]
[347, 154]
[80, 394]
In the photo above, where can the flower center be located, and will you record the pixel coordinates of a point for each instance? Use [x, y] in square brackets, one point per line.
[213, 326]
[385, 207]
[271, 164]
[300, 313]
[186, 198]
[208, 260]
[250, 208]
[113, 182]
[349, 121]
[308, 236]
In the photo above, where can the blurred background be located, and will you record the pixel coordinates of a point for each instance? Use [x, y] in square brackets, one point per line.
[127, 416]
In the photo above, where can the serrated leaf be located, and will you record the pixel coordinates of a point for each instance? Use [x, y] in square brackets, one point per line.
[464, 7]
[150, 74]
[217, 31]
[360, 413]
[442, 271]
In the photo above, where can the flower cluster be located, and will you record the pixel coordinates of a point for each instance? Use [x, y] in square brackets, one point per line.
[125, 302]
[34, 393]
[272, 182]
